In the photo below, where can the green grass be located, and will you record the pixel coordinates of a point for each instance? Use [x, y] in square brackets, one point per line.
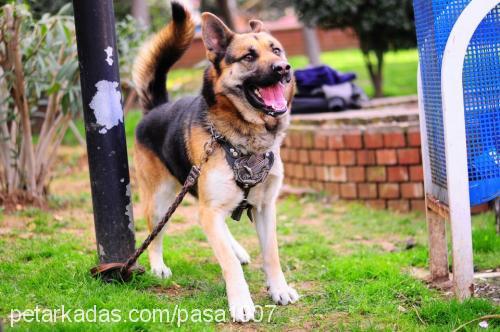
[334, 255]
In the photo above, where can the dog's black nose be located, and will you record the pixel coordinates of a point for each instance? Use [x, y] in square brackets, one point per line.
[281, 67]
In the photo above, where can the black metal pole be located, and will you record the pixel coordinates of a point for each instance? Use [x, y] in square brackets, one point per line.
[105, 132]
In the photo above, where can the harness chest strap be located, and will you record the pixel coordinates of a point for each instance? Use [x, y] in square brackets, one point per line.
[249, 170]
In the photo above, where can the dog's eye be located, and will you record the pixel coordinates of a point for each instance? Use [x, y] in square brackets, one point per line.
[249, 57]
[276, 51]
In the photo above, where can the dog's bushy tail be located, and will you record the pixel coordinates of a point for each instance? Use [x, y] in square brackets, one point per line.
[158, 55]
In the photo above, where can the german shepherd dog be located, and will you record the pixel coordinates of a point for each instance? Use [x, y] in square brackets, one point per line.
[246, 94]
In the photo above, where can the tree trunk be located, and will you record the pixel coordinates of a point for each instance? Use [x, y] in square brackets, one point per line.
[313, 49]
[140, 11]
[376, 71]
[227, 7]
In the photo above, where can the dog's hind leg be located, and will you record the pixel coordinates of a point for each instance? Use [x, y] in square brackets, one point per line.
[239, 251]
[157, 191]
[162, 199]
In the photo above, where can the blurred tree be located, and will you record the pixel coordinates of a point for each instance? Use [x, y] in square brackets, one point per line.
[380, 25]
[140, 11]
[313, 49]
[222, 8]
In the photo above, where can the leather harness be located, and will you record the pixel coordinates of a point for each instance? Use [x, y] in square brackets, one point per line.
[249, 170]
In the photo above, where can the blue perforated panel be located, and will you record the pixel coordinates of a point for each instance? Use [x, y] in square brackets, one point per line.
[481, 74]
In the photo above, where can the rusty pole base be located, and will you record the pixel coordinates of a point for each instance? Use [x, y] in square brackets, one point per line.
[112, 272]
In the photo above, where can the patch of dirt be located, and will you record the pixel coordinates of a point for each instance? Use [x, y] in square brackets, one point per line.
[486, 284]
[17, 200]
[173, 290]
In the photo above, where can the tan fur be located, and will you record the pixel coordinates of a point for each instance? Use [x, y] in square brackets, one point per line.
[151, 172]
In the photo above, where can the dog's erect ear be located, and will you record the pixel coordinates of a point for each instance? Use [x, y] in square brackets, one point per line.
[216, 35]
[256, 25]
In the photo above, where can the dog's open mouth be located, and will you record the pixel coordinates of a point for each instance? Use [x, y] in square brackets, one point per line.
[271, 99]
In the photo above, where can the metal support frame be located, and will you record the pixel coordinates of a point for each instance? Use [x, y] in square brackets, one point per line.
[104, 129]
[456, 155]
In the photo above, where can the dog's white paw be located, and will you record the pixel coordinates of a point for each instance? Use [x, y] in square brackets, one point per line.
[283, 294]
[242, 255]
[242, 310]
[161, 271]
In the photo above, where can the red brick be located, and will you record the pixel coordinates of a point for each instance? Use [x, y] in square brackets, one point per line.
[409, 156]
[320, 141]
[388, 190]
[412, 190]
[414, 137]
[365, 157]
[333, 189]
[417, 205]
[356, 174]
[386, 157]
[295, 139]
[321, 173]
[376, 203]
[476, 209]
[309, 172]
[394, 139]
[287, 142]
[347, 157]
[373, 140]
[416, 173]
[330, 157]
[400, 205]
[303, 157]
[337, 174]
[316, 157]
[367, 190]
[348, 190]
[335, 141]
[294, 155]
[298, 171]
[397, 174]
[307, 139]
[376, 174]
[289, 169]
[285, 154]
[352, 140]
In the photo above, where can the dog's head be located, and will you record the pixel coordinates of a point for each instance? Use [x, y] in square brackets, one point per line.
[250, 69]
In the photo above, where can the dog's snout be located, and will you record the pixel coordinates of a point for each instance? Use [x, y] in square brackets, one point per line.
[281, 67]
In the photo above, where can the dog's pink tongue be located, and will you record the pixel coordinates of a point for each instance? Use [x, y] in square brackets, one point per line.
[274, 96]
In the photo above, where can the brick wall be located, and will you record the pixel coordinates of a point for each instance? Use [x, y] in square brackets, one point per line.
[379, 163]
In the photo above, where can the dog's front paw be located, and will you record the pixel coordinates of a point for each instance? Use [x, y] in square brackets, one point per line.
[242, 310]
[161, 271]
[283, 294]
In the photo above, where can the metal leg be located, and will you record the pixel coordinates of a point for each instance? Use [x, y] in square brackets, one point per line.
[497, 213]
[455, 141]
[463, 268]
[438, 247]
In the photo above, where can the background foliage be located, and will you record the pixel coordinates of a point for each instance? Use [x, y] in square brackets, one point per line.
[381, 25]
